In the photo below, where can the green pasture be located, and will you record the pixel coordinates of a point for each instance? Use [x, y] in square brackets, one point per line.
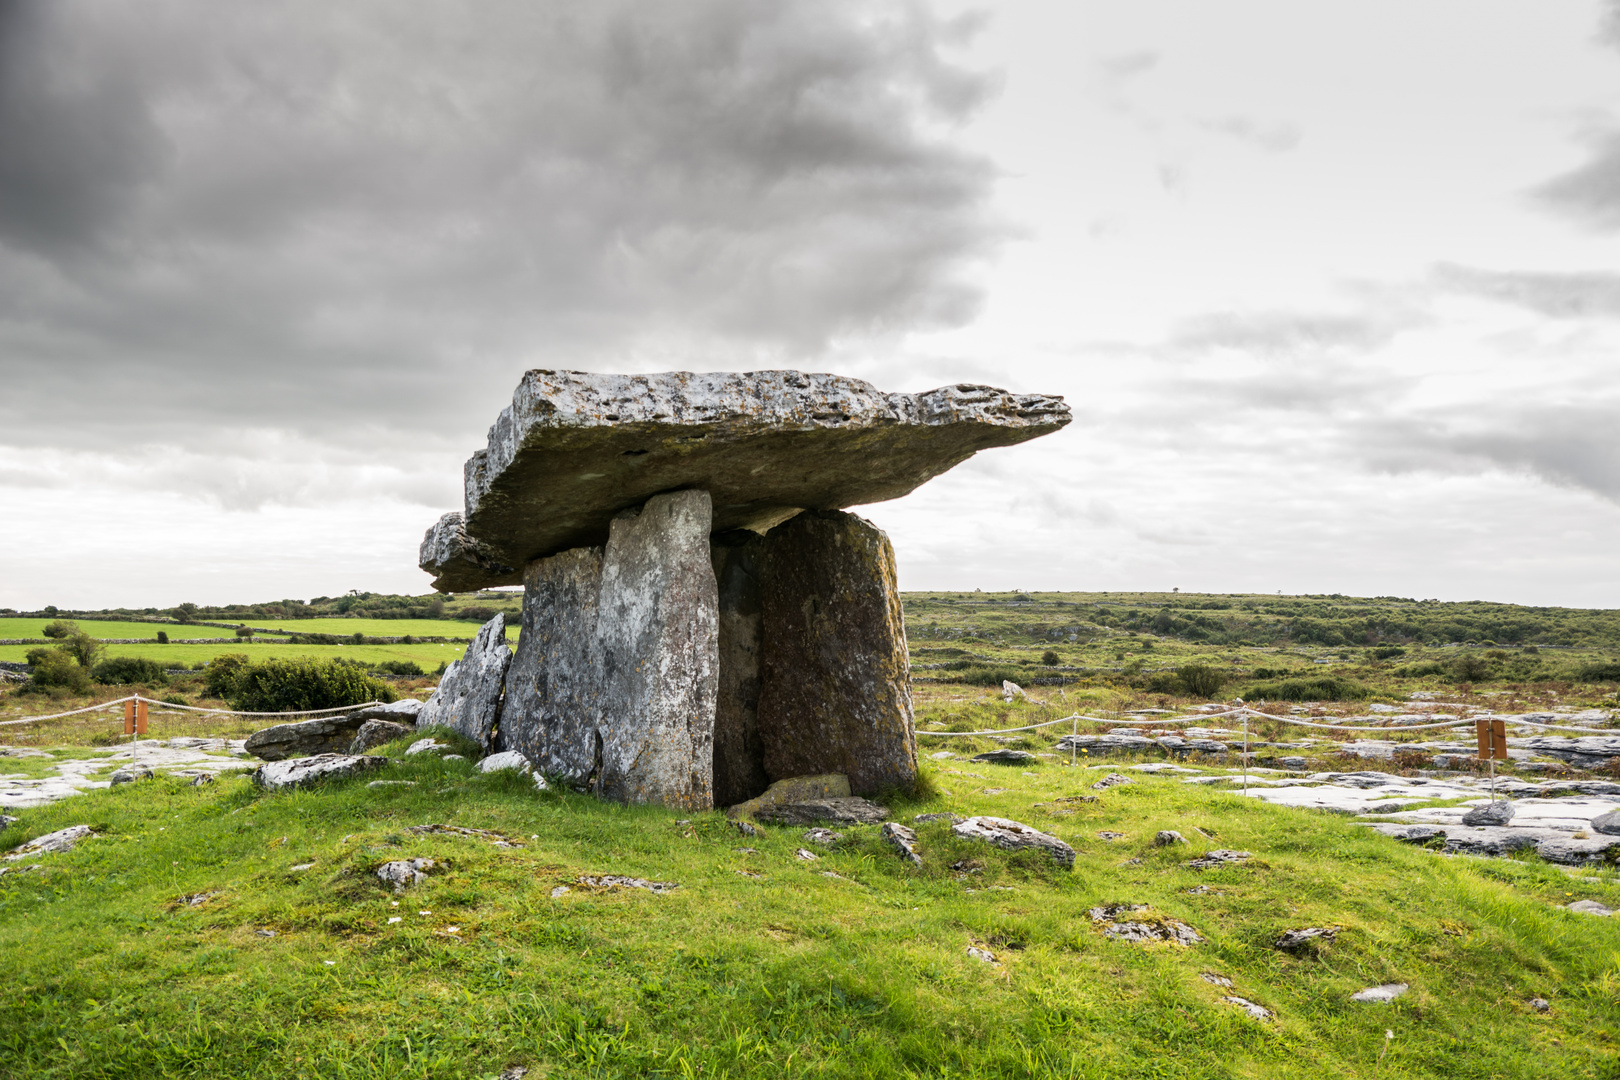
[220, 931]
[178, 656]
[380, 627]
[33, 628]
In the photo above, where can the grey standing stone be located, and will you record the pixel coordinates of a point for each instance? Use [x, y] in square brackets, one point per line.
[657, 628]
[468, 699]
[739, 755]
[1491, 813]
[552, 710]
[835, 693]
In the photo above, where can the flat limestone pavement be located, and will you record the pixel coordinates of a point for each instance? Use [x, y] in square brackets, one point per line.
[574, 448]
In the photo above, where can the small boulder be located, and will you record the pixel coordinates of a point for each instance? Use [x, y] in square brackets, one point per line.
[1294, 764]
[1379, 995]
[1491, 813]
[925, 819]
[403, 711]
[1294, 940]
[795, 789]
[53, 843]
[6, 821]
[902, 840]
[617, 881]
[1259, 1012]
[1010, 690]
[1590, 907]
[301, 771]
[1608, 824]
[1014, 836]
[824, 837]
[983, 955]
[403, 873]
[426, 746]
[1167, 837]
[373, 733]
[853, 810]
[1007, 757]
[129, 774]
[1540, 1004]
[1111, 780]
[1219, 857]
[322, 735]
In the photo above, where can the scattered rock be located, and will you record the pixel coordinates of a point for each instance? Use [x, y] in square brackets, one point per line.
[851, 811]
[824, 837]
[941, 755]
[924, 819]
[391, 783]
[1218, 857]
[1379, 995]
[1590, 907]
[6, 821]
[1079, 799]
[1010, 690]
[403, 873]
[1491, 813]
[1014, 836]
[404, 711]
[745, 828]
[1293, 940]
[373, 733]
[616, 881]
[795, 789]
[560, 890]
[1127, 922]
[1110, 836]
[1111, 780]
[299, 772]
[1259, 1012]
[322, 735]
[453, 757]
[428, 745]
[202, 779]
[129, 774]
[1007, 757]
[515, 1072]
[981, 954]
[1216, 980]
[994, 791]
[1608, 824]
[53, 843]
[1540, 1004]
[1296, 764]
[197, 899]
[1167, 837]
[468, 698]
[494, 838]
[807, 856]
[299, 868]
[903, 840]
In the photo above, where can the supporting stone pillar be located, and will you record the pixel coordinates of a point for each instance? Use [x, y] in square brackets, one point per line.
[618, 665]
[468, 698]
[835, 687]
[657, 626]
[553, 688]
[739, 756]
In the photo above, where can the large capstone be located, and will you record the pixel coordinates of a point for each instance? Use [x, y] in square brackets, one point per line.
[835, 687]
[468, 699]
[617, 669]
[739, 756]
[576, 448]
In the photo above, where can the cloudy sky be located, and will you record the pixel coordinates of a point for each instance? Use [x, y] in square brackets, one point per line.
[1333, 289]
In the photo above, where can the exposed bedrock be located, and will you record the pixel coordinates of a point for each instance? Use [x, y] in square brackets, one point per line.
[617, 669]
[576, 448]
[835, 684]
[469, 695]
[739, 755]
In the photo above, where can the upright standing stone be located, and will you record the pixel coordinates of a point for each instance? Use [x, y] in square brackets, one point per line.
[739, 756]
[835, 691]
[469, 695]
[657, 626]
[553, 688]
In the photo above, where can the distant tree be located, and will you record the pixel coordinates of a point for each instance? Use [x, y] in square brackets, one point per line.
[50, 611]
[57, 667]
[163, 637]
[244, 631]
[185, 613]
[1050, 658]
[61, 628]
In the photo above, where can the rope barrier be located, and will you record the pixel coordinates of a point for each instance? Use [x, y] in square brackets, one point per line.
[190, 708]
[1292, 720]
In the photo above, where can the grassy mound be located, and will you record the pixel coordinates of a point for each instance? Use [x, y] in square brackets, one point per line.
[184, 940]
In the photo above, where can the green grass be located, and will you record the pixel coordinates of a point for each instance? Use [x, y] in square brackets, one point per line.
[178, 656]
[449, 628]
[792, 974]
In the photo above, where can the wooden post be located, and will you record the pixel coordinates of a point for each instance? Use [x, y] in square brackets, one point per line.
[129, 718]
[140, 716]
[1491, 736]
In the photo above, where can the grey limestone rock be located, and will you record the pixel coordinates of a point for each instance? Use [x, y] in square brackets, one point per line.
[52, 843]
[852, 810]
[835, 693]
[1379, 995]
[468, 699]
[1491, 813]
[403, 873]
[299, 772]
[924, 819]
[1294, 940]
[322, 735]
[428, 745]
[1608, 824]
[1111, 780]
[1259, 1012]
[1218, 857]
[1167, 837]
[1007, 757]
[1135, 923]
[824, 837]
[6, 821]
[129, 774]
[575, 448]
[403, 711]
[903, 840]
[374, 733]
[618, 881]
[1013, 836]
[1591, 907]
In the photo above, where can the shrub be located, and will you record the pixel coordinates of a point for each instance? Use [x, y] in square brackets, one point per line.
[1050, 658]
[1388, 652]
[163, 637]
[222, 672]
[477, 614]
[122, 670]
[1470, 668]
[1322, 688]
[57, 667]
[1604, 671]
[61, 628]
[303, 682]
[1200, 680]
[400, 667]
[244, 631]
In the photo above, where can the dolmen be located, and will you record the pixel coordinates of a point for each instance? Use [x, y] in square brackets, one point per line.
[701, 616]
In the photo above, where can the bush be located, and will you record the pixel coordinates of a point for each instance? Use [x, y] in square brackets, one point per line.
[61, 628]
[303, 682]
[1050, 658]
[400, 667]
[477, 614]
[1200, 680]
[1388, 652]
[1604, 671]
[57, 667]
[222, 672]
[1470, 668]
[1323, 688]
[123, 670]
[163, 637]
[244, 631]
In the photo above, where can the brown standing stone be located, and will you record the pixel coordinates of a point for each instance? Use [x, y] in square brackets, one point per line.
[739, 756]
[657, 629]
[835, 690]
[553, 688]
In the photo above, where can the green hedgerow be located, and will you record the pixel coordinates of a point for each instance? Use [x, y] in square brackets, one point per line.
[304, 682]
[123, 670]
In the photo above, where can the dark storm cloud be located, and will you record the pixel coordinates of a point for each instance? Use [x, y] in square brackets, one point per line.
[1555, 295]
[361, 222]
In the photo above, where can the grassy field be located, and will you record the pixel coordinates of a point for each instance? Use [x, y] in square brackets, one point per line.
[764, 964]
[99, 628]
